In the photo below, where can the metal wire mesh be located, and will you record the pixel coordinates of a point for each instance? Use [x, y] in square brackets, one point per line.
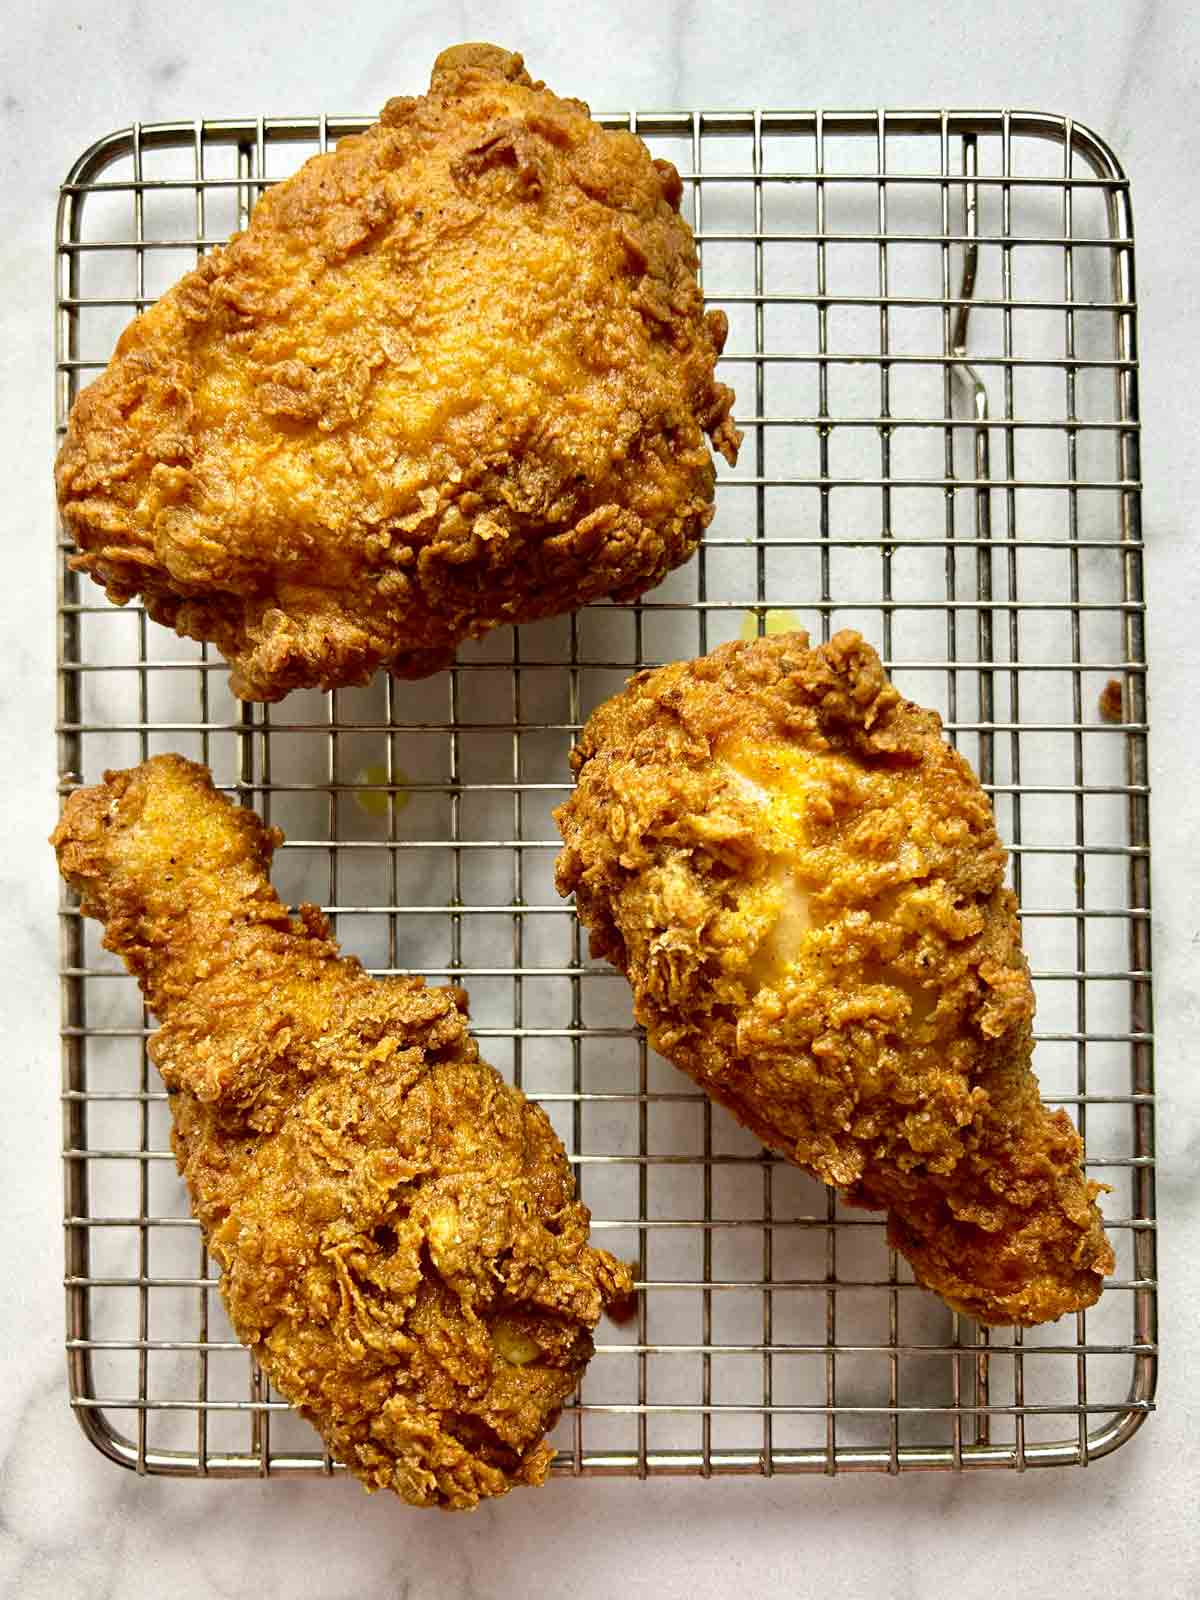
[962, 488]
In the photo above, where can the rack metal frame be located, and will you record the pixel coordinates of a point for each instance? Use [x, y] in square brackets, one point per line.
[896, 281]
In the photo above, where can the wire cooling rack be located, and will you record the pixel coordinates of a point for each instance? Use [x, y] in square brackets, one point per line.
[933, 343]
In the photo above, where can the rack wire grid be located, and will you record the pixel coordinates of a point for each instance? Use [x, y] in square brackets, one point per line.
[933, 344]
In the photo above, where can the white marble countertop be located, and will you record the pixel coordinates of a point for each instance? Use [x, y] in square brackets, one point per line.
[73, 1524]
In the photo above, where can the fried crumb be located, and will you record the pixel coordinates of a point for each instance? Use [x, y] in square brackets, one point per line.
[1112, 701]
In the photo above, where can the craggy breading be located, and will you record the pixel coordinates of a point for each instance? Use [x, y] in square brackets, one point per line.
[456, 373]
[804, 885]
[397, 1229]
[1112, 707]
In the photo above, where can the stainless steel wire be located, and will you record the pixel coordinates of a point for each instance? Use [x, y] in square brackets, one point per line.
[934, 347]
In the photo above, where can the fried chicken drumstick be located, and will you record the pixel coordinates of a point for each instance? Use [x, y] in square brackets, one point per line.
[397, 1230]
[455, 373]
[804, 885]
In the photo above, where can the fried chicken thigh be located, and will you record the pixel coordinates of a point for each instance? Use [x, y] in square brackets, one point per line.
[455, 373]
[397, 1230]
[804, 885]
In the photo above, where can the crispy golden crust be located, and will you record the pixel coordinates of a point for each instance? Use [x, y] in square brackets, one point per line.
[454, 374]
[804, 885]
[397, 1229]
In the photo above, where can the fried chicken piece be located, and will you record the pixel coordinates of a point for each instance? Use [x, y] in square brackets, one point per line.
[455, 373]
[803, 883]
[397, 1230]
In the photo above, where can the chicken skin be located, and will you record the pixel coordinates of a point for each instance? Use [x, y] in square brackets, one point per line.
[456, 373]
[804, 885]
[397, 1230]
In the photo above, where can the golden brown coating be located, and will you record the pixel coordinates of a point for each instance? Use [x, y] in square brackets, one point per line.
[455, 373]
[804, 885]
[397, 1230]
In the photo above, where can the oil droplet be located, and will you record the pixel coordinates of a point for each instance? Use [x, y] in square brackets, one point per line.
[514, 1344]
[373, 800]
[777, 620]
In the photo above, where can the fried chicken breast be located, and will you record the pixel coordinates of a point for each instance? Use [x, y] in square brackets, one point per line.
[804, 885]
[455, 373]
[397, 1230]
